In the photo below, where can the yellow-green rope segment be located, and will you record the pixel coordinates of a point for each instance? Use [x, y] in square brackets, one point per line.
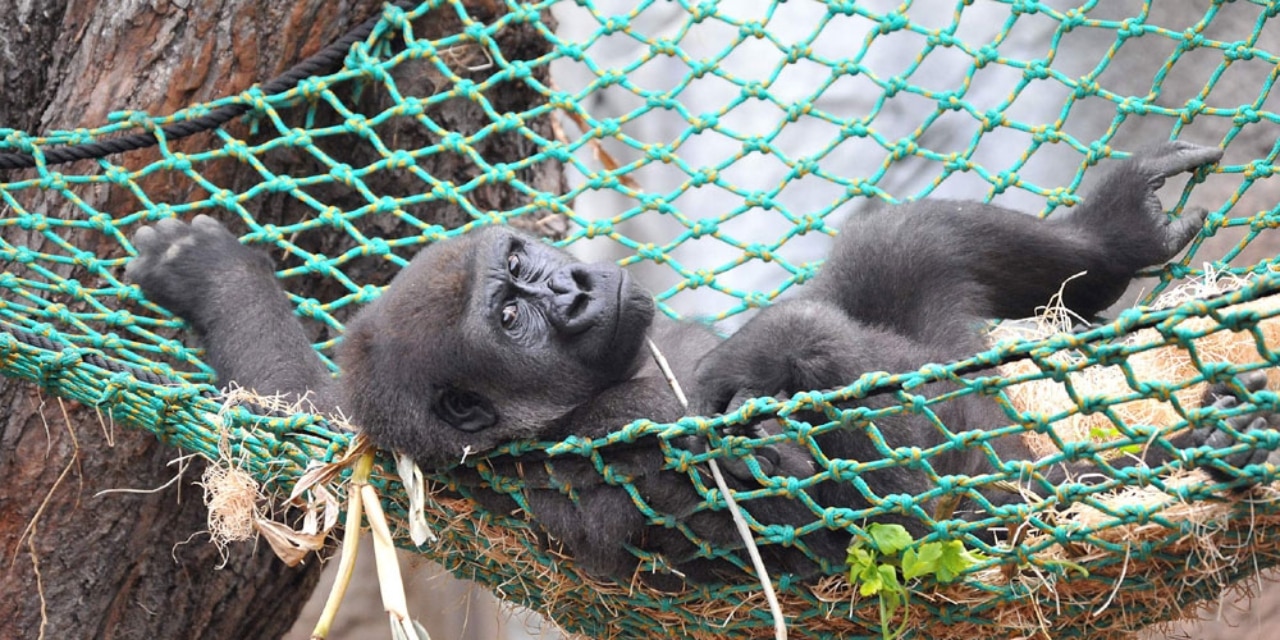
[72, 296]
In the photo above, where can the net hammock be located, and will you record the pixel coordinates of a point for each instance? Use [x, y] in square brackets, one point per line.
[673, 123]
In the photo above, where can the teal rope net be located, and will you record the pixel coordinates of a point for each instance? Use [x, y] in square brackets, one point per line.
[317, 175]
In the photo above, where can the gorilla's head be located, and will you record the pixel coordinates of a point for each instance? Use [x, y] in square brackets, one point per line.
[486, 338]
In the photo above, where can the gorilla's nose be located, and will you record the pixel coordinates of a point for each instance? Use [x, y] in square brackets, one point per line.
[580, 296]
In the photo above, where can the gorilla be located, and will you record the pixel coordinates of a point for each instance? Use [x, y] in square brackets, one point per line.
[496, 336]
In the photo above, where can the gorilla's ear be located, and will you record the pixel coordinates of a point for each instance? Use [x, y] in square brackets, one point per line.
[465, 410]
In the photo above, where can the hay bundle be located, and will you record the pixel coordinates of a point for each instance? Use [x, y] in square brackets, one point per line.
[1155, 362]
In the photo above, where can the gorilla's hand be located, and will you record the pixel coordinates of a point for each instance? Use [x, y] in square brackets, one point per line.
[191, 269]
[1126, 214]
[229, 295]
[782, 458]
[793, 346]
[1221, 433]
[1166, 161]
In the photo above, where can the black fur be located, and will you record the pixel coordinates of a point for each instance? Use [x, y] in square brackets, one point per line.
[911, 285]
[496, 336]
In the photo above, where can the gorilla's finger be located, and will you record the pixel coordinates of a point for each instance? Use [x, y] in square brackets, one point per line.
[144, 240]
[1180, 231]
[1171, 158]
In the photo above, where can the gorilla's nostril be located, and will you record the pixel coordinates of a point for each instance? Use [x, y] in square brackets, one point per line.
[578, 305]
[582, 278]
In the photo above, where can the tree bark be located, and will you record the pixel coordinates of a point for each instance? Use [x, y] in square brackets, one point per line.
[80, 563]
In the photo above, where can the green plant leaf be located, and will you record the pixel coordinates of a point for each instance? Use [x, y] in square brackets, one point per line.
[922, 561]
[955, 560]
[890, 538]
[870, 580]
[892, 590]
[1103, 433]
[859, 560]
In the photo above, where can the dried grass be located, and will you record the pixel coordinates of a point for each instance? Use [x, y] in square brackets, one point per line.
[239, 510]
[1203, 558]
[235, 502]
[1171, 365]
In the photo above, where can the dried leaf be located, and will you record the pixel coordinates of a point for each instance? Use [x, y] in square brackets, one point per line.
[416, 488]
[329, 503]
[289, 545]
[318, 473]
[384, 554]
[407, 630]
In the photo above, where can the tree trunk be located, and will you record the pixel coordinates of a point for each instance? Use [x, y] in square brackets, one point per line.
[81, 563]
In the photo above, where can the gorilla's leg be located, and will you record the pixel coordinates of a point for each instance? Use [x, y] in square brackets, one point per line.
[926, 269]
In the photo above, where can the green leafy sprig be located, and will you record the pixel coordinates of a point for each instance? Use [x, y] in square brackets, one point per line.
[876, 567]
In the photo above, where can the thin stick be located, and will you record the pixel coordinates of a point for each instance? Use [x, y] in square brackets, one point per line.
[1124, 570]
[744, 531]
[147, 491]
[350, 547]
[35, 568]
[48, 497]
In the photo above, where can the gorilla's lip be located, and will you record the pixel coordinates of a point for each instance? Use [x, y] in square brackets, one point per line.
[620, 303]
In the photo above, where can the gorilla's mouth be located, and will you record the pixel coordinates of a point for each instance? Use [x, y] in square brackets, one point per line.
[620, 303]
[618, 334]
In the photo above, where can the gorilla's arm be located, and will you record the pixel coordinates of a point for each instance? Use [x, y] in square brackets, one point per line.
[227, 292]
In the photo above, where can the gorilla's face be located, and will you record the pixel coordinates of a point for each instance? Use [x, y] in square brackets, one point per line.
[544, 304]
[486, 338]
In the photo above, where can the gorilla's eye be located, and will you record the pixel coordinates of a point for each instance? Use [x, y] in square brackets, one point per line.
[513, 264]
[509, 315]
[464, 410]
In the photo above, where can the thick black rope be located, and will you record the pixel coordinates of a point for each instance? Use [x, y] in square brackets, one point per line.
[327, 59]
[40, 342]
